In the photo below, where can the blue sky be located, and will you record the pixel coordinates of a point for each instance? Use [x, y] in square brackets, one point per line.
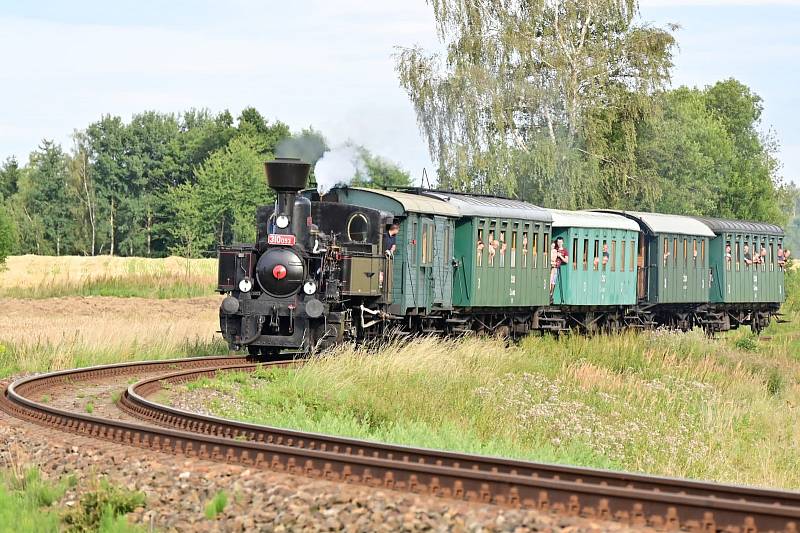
[322, 63]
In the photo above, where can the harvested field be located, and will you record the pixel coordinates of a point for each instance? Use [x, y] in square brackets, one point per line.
[56, 333]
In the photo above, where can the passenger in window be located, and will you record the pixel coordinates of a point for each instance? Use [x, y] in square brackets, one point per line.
[786, 254]
[763, 255]
[558, 257]
[781, 258]
[748, 258]
[525, 245]
[596, 262]
[694, 254]
[493, 245]
[728, 255]
[390, 240]
[605, 253]
[479, 247]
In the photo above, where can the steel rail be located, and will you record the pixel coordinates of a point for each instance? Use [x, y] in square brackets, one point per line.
[635, 506]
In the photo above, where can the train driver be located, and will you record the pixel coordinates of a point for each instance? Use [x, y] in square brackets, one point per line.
[390, 241]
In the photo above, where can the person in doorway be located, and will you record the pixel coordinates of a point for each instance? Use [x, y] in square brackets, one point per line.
[558, 258]
[390, 240]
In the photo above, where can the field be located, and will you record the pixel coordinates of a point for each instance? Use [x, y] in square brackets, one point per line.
[666, 403]
[663, 403]
[32, 276]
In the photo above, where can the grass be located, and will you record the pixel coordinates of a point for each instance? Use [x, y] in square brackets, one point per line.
[215, 507]
[39, 277]
[665, 403]
[44, 335]
[30, 504]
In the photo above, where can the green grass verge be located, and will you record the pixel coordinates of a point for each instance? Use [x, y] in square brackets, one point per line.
[39, 356]
[664, 403]
[29, 504]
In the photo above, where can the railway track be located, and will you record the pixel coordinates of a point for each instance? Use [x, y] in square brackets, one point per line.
[638, 500]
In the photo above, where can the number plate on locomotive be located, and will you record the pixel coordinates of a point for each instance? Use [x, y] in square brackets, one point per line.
[281, 240]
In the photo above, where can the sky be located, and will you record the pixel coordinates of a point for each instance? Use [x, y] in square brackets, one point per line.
[326, 64]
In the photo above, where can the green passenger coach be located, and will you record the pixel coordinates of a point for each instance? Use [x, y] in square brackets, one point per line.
[746, 261]
[422, 272]
[500, 252]
[602, 258]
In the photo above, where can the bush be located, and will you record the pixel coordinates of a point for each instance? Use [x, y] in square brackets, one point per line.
[102, 508]
[8, 236]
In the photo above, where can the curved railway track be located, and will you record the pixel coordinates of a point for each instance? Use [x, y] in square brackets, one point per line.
[638, 500]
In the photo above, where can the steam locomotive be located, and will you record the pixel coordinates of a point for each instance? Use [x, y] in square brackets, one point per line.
[319, 272]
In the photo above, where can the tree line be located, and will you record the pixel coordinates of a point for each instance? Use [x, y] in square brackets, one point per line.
[159, 184]
[563, 103]
[566, 103]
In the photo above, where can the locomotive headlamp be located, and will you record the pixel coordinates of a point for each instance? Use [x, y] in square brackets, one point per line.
[282, 221]
[245, 285]
[279, 272]
[309, 287]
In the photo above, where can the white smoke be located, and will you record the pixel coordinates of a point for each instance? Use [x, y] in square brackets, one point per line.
[339, 166]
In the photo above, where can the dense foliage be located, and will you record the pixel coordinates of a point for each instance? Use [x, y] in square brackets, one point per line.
[565, 103]
[156, 185]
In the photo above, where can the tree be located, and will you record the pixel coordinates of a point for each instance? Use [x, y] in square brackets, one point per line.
[376, 172]
[10, 174]
[8, 234]
[706, 155]
[44, 198]
[220, 206]
[544, 92]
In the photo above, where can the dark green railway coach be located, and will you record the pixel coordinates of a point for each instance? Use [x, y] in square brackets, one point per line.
[422, 272]
[746, 261]
[673, 259]
[500, 251]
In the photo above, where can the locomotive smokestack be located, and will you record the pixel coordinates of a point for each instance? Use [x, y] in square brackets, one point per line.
[286, 176]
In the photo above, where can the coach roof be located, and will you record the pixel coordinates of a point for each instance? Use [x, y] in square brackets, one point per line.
[412, 203]
[491, 206]
[723, 225]
[661, 223]
[591, 219]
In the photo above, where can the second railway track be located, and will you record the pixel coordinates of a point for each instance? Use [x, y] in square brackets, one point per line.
[638, 500]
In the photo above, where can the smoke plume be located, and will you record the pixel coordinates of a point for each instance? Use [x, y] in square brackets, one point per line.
[338, 167]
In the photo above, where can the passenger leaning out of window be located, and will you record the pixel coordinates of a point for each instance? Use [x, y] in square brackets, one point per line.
[748, 257]
[781, 257]
[728, 255]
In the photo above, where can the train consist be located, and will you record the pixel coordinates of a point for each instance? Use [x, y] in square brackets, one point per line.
[324, 268]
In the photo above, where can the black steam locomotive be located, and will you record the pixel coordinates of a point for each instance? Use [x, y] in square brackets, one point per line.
[295, 289]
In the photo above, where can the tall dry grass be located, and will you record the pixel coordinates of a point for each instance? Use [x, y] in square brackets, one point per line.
[59, 333]
[32, 276]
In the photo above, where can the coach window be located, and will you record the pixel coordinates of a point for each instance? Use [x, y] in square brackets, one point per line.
[738, 256]
[503, 247]
[514, 247]
[425, 258]
[622, 256]
[771, 256]
[479, 247]
[596, 254]
[586, 254]
[764, 255]
[675, 251]
[546, 247]
[685, 253]
[747, 255]
[666, 250]
[430, 243]
[491, 244]
[694, 252]
[605, 256]
[535, 248]
[613, 255]
[575, 253]
[413, 243]
[446, 247]
[633, 256]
